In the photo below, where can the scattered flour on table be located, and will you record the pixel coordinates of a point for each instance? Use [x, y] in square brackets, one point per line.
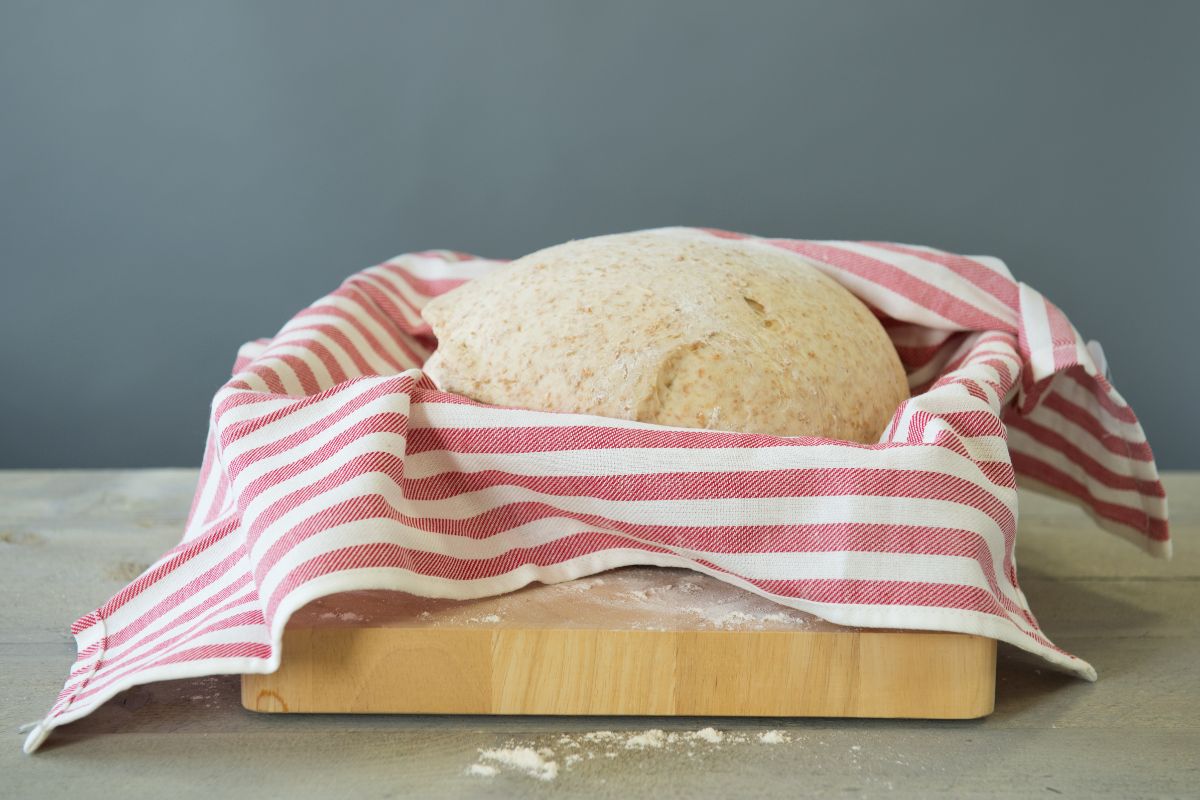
[651, 738]
[483, 770]
[538, 764]
[710, 735]
[344, 616]
[543, 763]
[490, 619]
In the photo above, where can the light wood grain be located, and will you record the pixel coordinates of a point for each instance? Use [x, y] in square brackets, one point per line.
[636, 641]
[69, 538]
[531, 671]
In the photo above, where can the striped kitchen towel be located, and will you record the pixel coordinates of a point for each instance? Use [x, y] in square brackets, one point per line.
[333, 464]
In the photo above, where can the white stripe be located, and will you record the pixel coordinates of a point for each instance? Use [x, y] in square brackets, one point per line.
[918, 336]
[937, 275]
[256, 384]
[207, 490]
[653, 460]
[435, 269]
[1037, 332]
[430, 414]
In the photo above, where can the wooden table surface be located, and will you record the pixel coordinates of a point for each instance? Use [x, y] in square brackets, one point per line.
[69, 539]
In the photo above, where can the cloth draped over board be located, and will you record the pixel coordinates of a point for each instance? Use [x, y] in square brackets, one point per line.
[334, 464]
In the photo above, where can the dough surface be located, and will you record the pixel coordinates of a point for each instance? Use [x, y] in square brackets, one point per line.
[674, 327]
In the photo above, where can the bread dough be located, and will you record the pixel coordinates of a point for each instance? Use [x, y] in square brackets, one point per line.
[675, 327]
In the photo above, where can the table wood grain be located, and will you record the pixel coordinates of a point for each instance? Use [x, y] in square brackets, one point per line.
[69, 539]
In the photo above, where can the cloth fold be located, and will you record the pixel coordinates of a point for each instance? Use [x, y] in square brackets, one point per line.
[334, 464]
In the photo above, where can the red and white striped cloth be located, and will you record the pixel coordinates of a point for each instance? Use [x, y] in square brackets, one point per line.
[333, 464]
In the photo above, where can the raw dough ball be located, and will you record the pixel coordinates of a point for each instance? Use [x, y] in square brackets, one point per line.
[675, 327]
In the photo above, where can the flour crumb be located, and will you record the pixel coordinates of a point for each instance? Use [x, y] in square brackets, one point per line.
[489, 619]
[538, 764]
[424, 615]
[855, 748]
[651, 738]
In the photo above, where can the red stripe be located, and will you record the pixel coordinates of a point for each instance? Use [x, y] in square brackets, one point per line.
[173, 560]
[925, 295]
[1097, 471]
[1136, 451]
[906, 593]
[304, 374]
[202, 481]
[203, 653]
[548, 439]
[336, 373]
[998, 286]
[268, 376]
[218, 502]
[1121, 412]
[1152, 527]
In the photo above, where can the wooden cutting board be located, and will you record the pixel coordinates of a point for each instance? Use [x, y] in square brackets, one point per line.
[639, 640]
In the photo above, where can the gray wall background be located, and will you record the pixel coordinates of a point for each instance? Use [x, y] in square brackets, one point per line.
[177, 178]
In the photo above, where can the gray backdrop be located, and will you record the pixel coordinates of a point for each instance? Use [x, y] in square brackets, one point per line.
[177, 178]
